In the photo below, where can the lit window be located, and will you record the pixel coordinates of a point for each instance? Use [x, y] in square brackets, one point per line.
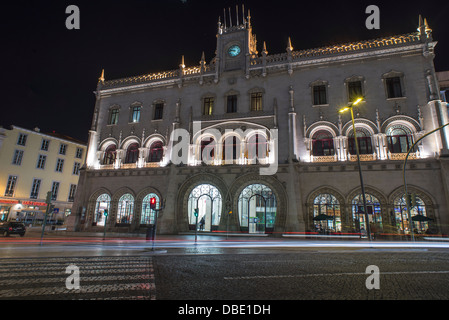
[10, 186]
[256, 101]
[135, 114]
[113, 116]
[208, 106]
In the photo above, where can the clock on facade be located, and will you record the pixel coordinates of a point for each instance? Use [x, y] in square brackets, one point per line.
[234, 50]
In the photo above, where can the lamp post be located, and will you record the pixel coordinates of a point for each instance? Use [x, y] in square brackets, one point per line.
[350, 107]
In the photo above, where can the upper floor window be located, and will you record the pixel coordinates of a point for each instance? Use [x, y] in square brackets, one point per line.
[72, 192]
[158, 111]
[21, 141]
[79, 153]
[231, 103]
[41, 161]
[256, 101]
[156, 152]
[135, 114]
[207, 149]
[76, 168]
[10, 186]
[62, 149]
[17, 159]
[354, 90]
[45, 144]
[399, 139]
[208, 106]
[322, 144]
[363, 141]
[35, 188]
[54, 190]
[59, 165]
[113, 116]
[110, 154]
[319, 95]
[257, 147]
[132, 153]
[394, 88]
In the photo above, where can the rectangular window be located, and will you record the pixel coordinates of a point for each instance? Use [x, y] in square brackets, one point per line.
[158, 111]
[79, 153]
[231, 104]
[41, 161]
[76, 168]
[59, 165]
[113, 116]
[135, 114]
[17, 159]
[62, 149]
[11, 186]
[35, 189]
[394, 89]
[319, 95]
[21, 141]
[72, 192]
[45, 144]
[208, 106]
[54, 190]
[256, 101]
[354, 90]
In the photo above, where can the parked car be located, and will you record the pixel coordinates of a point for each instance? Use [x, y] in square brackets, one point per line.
[11, 227]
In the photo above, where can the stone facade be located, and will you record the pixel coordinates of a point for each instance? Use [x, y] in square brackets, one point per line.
[285, 108]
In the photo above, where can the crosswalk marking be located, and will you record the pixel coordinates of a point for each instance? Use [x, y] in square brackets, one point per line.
[101, 278]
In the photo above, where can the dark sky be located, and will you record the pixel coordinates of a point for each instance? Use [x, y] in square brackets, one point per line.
[49, 73]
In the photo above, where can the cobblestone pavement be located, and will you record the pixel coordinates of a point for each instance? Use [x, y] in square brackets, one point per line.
[101, 278]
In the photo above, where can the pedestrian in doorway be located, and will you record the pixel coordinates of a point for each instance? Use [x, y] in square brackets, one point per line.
[202, 222]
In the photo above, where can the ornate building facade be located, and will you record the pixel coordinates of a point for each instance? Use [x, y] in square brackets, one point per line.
[255, 141]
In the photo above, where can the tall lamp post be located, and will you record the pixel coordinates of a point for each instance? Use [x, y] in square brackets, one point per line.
[350, 107]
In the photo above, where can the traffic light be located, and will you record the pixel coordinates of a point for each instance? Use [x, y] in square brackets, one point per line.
[195, 212]
[153, 203]
[48, 200]
[105, 212]
[410, 200]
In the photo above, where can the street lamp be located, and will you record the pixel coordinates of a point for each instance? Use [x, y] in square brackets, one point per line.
[350, 107]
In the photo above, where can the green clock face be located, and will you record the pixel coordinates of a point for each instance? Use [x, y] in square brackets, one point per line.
[234, 50]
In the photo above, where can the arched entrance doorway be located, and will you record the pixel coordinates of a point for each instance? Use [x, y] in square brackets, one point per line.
[208, 200]
[257, 209]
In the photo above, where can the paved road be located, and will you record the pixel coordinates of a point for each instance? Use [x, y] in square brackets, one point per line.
[218, 270]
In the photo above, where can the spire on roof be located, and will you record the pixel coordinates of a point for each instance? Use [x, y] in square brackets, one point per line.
[101, 79]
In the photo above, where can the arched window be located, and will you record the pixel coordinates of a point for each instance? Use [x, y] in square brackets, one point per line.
[418, 211]
[207, 199]
[231, 148]
[257, 209]
[156, 152]
[207, 149]
[363, 140]
[132, 153]
[125, 209]
[373, 208]
[326, 213]
[110, 154]
[102, 204]
[399, 139]
[148, 215]
[322, 144]
[257, 147]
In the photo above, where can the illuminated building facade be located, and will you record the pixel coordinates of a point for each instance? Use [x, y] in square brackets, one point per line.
[33, 163]
[255, 142]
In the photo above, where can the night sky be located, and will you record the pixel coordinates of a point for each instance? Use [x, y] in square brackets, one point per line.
[49, 73]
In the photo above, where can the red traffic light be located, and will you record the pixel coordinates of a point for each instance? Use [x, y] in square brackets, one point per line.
[153, 203]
